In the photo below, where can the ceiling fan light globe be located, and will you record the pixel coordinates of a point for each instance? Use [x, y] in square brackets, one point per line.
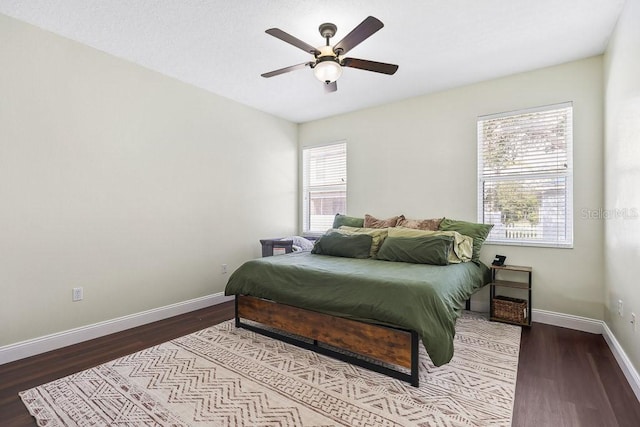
[327, 71]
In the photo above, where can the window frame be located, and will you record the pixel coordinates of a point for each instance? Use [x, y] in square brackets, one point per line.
[305, 222]
[567, 175]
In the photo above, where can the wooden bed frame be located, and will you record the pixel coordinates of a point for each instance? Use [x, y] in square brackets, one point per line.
[385, 344]
[394, 346]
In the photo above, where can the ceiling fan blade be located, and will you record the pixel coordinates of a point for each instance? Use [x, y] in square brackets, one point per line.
[330, 87]
[286, 37]
[360, 33]
[286, 69]
[363, 64]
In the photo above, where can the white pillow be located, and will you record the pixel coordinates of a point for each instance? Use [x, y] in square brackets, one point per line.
[300, 243]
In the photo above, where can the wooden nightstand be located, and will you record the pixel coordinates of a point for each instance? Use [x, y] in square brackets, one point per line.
[506, 309]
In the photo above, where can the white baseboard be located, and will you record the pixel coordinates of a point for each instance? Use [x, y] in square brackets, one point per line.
[625, 364]
[567, 321]
[595, 327]
[34, 346]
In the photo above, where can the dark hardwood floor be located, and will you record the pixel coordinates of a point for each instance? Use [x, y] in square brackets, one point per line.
[571, 378]
[565, 377]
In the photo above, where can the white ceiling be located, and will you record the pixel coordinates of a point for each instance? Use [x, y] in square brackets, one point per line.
[221, 46]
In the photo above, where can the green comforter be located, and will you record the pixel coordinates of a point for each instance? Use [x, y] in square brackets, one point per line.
[424, 298]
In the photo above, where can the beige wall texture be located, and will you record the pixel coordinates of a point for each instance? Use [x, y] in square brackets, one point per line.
[621, 213]
[133, 185]
[418, 157]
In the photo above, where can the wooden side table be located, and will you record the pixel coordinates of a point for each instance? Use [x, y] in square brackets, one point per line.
[268, 245]
[498, 303]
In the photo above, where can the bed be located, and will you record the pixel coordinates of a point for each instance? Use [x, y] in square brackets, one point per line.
[375, 308]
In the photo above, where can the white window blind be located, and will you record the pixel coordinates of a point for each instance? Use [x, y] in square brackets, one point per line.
[525, 176]
[324, 188]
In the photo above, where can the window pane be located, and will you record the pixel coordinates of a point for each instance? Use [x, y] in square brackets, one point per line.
[525, 176]
[528, 210]
[526, 143]
[324, 190]
[323, 207]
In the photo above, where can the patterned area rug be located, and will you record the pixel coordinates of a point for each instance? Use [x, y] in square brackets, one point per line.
[223, 376]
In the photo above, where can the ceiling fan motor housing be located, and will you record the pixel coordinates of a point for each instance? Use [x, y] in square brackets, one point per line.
[327, 30]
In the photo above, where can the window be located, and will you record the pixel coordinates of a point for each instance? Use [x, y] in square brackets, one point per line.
[324, 185]
[525, 176]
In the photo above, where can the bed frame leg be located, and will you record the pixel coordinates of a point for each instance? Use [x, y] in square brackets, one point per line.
[467, 305]
[237, 315]
[415, 356]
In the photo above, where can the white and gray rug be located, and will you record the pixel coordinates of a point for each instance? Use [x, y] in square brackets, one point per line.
[223, 376]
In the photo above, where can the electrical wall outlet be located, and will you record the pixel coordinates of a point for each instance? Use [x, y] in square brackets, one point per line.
[620, 308]
[77, 294]
[223, 269]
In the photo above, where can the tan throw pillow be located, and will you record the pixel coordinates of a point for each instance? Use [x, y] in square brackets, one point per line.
[377, 235]
[462, 245]
[373, 222]
[420, 224]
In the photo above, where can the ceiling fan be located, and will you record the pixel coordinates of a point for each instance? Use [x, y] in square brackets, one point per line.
[328, 60]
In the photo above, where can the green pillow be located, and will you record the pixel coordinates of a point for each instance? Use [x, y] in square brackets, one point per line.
[462, 245]
[478, 232]
[349, 221]
[377, 235]
[417, 250]
[343, 245]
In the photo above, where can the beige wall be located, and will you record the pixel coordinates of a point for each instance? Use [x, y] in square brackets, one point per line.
[130, 184]
[418, 157]
[622, 179]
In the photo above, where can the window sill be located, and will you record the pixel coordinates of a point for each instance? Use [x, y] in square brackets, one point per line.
[531, 244]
